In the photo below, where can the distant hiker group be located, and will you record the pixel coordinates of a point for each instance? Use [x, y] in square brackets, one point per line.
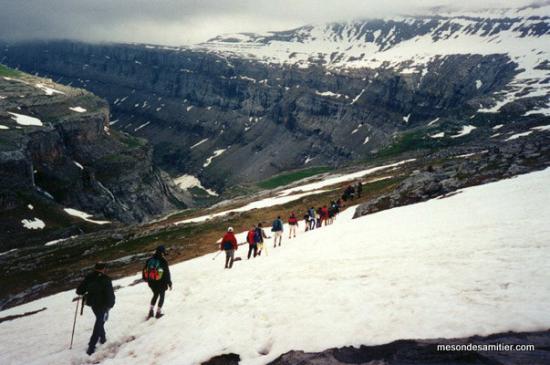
[313, 219]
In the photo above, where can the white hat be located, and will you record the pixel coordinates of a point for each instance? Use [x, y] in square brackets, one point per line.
[230, 229]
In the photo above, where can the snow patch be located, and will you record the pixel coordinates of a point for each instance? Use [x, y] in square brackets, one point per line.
[542, 128]
[186, 182]
[83, 216]
[35, 223]
[78, 109]
[466, 129]
[518, 135]
[433, 122]
[437, 135]
[216, 153]
[142, 126]
[26, 120]
[48, 90]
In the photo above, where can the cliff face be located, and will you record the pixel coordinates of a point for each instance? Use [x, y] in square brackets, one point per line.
[56, 152]
[263, 118]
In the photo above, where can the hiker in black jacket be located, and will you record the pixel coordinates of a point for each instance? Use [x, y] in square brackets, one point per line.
[157, 274]
[98, 292]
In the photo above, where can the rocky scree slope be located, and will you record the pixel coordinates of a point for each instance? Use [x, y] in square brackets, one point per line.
[57, 151]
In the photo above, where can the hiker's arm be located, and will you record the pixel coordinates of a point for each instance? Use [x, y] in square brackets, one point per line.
[167, 275]
[81, 290]
[110, 295]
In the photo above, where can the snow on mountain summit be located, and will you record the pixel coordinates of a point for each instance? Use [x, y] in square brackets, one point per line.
[369, 43]
[409, 44]
[471, 263]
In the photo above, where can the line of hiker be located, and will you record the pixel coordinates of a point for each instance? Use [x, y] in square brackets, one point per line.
[255, 237]
[96, 290]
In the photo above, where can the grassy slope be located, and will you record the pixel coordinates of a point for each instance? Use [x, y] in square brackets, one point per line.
[290, 177]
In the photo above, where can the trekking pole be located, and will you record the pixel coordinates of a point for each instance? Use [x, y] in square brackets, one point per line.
[82, 306]
[74, 322]
[213, 258]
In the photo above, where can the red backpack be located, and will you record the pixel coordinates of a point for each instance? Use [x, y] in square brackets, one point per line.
[250, 237]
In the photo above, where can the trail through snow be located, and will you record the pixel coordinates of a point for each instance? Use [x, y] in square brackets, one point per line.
[471, 263]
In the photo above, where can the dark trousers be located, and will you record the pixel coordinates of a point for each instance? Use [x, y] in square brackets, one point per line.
[229, 257]
[158, 293]
[99, 330]
[252, 248]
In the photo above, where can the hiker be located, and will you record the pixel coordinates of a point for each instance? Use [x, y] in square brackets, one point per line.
[292, 224]
[331, 213]
[306, 221]
[324, 215]
[157, 275]
[252, 244]
[259, 238]
[311, 213]
[277, 229]
[349, 193]
[98, 293]
[359, 189]
[318, 215]
[229, 245]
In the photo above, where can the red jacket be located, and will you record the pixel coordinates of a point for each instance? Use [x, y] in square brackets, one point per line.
[292, 220]
[324, 212]
[230, 238]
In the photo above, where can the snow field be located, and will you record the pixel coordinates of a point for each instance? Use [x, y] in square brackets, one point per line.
[471, 263]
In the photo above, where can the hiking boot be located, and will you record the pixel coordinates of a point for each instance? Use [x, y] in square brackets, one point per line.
[151, 314]
[90, 350]
[159, 314]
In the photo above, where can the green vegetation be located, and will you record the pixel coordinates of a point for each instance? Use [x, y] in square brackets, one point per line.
[410, 142]
[8, 72]
[128, 140]
[287, 178]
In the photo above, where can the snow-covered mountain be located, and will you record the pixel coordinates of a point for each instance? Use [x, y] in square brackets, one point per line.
[409, 44]
[373, 43]
[472, 263]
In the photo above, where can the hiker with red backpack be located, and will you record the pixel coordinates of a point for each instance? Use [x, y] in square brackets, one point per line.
[252, 244]
[292, 225]
[157, 275]
[229, 245]
[98, 293]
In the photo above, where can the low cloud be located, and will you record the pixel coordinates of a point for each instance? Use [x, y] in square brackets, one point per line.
[177, 22]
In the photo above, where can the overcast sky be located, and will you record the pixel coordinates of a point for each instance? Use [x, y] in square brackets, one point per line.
[178, 22]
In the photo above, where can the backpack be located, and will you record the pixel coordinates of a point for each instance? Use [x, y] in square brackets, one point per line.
[251, 237]
[258, 235]
[277, 226]
[153, 270]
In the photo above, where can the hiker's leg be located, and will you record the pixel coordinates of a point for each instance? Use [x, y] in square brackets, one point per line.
[232, 255]
[161, 298]
[99, 330]
[155, 296]
[227, 258]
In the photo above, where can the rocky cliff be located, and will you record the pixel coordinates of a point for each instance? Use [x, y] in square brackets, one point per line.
[63, 170]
